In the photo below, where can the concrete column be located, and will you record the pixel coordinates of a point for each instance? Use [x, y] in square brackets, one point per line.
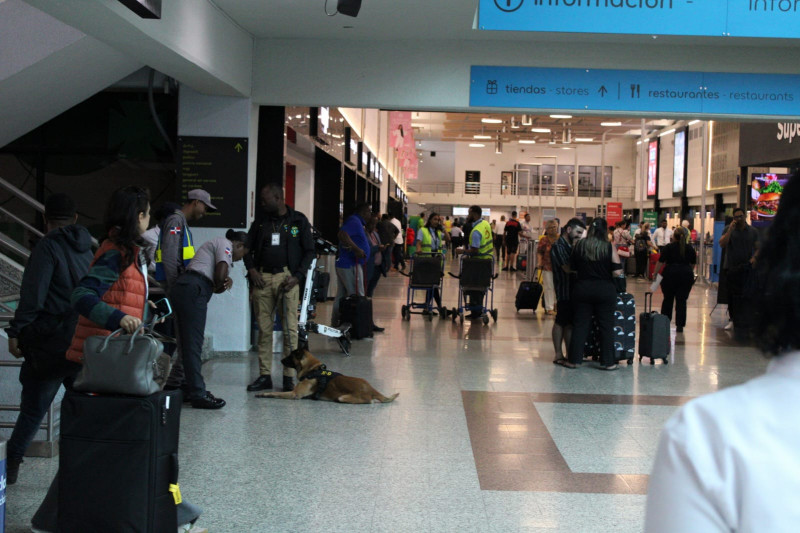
[228, 321]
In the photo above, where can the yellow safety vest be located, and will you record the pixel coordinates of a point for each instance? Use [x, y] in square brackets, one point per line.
[487, 241]
[427, 240]
[188, 250]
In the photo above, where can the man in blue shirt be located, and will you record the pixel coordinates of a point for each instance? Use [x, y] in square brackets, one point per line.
[353, 255]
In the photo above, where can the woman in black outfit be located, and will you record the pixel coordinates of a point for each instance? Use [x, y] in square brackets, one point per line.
[596, 263]
[642, 246]
[679, 259]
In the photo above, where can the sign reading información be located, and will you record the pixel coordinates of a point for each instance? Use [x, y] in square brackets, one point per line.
[717, 93]
[727, 18]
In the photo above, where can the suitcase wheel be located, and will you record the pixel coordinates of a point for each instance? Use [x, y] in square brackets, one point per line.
[485, 319]
[494, 315]
[404, 312]
[630, 361]
[429, 316]
[666, 361]
[460, 318]
[652, 361]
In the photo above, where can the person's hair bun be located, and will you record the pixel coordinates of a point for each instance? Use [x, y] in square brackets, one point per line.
[230, 234]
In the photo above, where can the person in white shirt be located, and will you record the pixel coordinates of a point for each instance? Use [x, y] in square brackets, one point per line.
[663, 235]
[728, 462]
[498, 238]
[398, 257]
[456, 237]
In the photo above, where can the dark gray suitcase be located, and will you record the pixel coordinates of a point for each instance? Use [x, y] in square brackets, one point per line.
[653, 333]
[118, 457]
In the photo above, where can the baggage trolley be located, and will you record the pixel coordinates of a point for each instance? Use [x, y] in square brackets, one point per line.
[477, 273]
[426, 275]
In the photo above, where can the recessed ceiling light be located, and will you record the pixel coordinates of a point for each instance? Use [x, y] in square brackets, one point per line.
[540, 130]
[560, 116]
[476, 145]
[527, 141]
[583, 139]
[491, 121]
[611, 124]
[482, 137]
[567, 148]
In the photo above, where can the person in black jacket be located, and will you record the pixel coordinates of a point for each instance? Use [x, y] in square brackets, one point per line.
[44, 321]
[281, 249]
[678, 277]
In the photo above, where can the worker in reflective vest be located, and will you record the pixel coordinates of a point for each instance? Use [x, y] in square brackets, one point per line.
[431, 239]
[174, 251]
[480, 244]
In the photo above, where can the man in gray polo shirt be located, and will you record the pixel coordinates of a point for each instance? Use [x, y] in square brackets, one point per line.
[174, 251]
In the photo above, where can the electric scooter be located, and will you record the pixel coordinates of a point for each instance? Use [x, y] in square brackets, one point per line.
[306, 323]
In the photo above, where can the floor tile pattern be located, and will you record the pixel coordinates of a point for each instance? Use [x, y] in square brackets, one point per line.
[274, 466]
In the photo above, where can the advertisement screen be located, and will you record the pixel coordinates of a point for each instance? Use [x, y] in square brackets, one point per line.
[652, 169]
[679, 167]
[765, 196]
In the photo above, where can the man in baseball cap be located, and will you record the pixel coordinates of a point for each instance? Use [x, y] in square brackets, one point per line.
[202, 196]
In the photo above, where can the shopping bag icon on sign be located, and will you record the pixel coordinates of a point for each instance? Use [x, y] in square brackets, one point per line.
[491, 87]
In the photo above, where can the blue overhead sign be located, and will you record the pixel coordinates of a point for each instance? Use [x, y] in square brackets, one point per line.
[715, 18]
[644, 91]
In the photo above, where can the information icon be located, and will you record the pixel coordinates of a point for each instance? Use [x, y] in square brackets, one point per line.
[508, 5]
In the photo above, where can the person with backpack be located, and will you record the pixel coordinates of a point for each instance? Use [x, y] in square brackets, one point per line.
[44, 321]
[642, 245]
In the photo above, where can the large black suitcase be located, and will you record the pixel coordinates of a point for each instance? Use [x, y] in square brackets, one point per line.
[624, 331]
[528, 295]
[654, 339]
[118, 458]
[357, 311]
[625, 328]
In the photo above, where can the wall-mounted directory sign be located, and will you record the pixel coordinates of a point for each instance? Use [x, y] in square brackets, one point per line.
[709, 93]
[218, 165]
[712, 18]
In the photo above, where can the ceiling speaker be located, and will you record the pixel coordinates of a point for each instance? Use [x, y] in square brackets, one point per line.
[349, 7]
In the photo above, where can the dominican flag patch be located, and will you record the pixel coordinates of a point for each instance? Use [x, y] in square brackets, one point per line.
[227, 251]
[175, 230]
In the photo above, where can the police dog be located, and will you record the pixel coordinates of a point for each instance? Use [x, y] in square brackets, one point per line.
[319, 383]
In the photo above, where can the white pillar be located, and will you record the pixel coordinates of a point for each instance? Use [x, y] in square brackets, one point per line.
[199, 115]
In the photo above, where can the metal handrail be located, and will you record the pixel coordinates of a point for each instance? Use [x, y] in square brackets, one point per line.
[22, 195]
[548, 189]
[21, 222]
[13, 246]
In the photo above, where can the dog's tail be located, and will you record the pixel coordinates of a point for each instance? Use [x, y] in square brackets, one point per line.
[383, 399]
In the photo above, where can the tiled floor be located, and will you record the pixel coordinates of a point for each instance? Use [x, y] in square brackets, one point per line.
[487, 434]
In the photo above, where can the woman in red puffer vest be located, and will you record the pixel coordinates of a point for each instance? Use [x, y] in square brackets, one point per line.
[113, 294]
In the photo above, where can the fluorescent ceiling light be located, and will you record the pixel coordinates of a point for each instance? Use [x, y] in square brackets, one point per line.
[476, 145]
[417, 125]
[638, 142]
[482, 137]
[491, 121]
[584, 139]
[560, 116]
[540, 130]
[566, 148]
[666, 132]
[692, 123]
[610, 124]
[527, 141]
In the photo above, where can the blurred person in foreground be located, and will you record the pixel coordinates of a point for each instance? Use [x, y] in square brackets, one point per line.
[728, 462]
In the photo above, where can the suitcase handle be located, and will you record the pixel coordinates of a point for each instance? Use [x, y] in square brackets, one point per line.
[648, 302]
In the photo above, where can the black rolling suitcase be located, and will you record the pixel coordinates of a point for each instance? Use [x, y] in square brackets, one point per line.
[528, 295]
[118, 460]
[653, 333]
[357, 311]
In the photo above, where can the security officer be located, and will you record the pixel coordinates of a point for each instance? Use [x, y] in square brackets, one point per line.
[481, 243]
[281, 248]
[174, 251]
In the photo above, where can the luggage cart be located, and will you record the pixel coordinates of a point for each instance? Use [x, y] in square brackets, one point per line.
[426, 274]
[477, 273]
